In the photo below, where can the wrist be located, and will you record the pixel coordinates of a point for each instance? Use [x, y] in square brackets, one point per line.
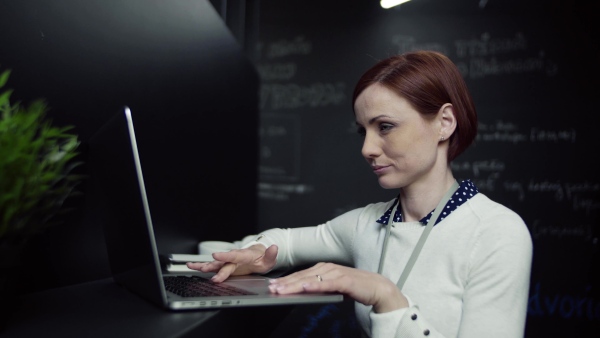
[258, 247]
[391, 301]
[260, 239]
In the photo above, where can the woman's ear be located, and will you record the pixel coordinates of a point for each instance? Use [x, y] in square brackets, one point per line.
[447, 121]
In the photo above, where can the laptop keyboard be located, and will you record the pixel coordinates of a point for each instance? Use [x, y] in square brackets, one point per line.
[194, 286]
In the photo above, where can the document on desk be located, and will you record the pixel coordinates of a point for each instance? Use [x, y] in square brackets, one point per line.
[185, 258]
[176, 262]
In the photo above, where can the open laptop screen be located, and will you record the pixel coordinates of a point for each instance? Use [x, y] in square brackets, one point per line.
[121, 206]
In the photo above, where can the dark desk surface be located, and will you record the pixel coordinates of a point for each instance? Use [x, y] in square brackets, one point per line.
[104, 309]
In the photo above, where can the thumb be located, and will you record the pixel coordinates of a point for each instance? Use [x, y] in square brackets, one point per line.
[270, 256]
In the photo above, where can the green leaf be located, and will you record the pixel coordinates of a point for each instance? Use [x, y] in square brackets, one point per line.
[4, 77]
[37, 161]
[5, 98]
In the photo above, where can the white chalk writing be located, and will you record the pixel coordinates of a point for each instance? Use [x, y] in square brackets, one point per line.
[296, 46]
[486, 45]
[276, 71]
[539, 228]
[586, 204]
[547, 186]
[497, 136]
[492, 165]
[486, 56]
[291, 96]
[409, 43]
[282, 192]
[540, 135]
[481, 67]
[502, 131]
[515, 186]
[583, 187]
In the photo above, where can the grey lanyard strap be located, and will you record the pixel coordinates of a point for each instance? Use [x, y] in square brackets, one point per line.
[421, 242]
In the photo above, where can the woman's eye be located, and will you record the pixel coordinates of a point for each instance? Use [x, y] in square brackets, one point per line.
[361, 131]
[385, 127]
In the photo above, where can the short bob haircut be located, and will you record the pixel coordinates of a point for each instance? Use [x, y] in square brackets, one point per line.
[428, 80]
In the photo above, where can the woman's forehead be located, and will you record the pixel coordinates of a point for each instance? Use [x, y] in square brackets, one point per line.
[377, 100]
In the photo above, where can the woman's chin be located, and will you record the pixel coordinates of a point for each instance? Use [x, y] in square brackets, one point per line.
[387, 185]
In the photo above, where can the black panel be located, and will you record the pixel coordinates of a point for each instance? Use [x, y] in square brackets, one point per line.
[178, 67]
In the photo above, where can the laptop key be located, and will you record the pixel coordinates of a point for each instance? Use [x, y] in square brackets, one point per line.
[194, 286]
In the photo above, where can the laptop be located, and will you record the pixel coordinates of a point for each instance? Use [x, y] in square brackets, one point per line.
[135, 263]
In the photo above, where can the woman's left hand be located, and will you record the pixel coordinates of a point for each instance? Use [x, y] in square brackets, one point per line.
[366, 287]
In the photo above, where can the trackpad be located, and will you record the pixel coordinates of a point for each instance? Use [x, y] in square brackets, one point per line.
[257, 285]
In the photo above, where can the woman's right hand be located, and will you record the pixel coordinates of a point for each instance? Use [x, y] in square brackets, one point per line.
[255, 259]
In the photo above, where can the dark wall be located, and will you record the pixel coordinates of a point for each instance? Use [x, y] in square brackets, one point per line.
[194, 97]
[532, 68]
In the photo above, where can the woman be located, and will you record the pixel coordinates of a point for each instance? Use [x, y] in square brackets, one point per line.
[471, 278]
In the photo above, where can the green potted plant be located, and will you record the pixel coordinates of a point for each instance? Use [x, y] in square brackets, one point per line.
[37, 162]
[36, 168]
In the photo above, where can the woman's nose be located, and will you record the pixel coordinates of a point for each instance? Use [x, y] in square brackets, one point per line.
[370, 148]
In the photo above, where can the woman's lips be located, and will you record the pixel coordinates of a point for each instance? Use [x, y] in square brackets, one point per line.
[379, 169]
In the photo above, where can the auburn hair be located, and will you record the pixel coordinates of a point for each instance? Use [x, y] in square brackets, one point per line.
[427, 80]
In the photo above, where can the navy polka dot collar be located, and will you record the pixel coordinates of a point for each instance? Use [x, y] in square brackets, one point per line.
[465, 191]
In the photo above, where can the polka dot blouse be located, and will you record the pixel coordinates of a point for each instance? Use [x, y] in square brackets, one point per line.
[465, 191]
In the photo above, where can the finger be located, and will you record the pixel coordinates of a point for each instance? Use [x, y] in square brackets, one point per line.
[227, 270]
[320, 286]
[311, 284]
[205, 266]
[284, 289]
[250, 260]
[235, 256]
[309, 280]
[308, 273]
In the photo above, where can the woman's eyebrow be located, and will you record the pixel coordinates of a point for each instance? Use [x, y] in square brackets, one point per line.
[372, 120]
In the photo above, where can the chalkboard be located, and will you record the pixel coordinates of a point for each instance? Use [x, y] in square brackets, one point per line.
[532, 70]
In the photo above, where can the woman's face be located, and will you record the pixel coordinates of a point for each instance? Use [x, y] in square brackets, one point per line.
[399, 144]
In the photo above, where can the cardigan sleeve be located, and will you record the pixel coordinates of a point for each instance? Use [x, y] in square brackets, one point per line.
[406, 322]
[328, 242]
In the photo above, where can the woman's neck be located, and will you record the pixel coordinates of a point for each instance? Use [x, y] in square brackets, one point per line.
[418, 199]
